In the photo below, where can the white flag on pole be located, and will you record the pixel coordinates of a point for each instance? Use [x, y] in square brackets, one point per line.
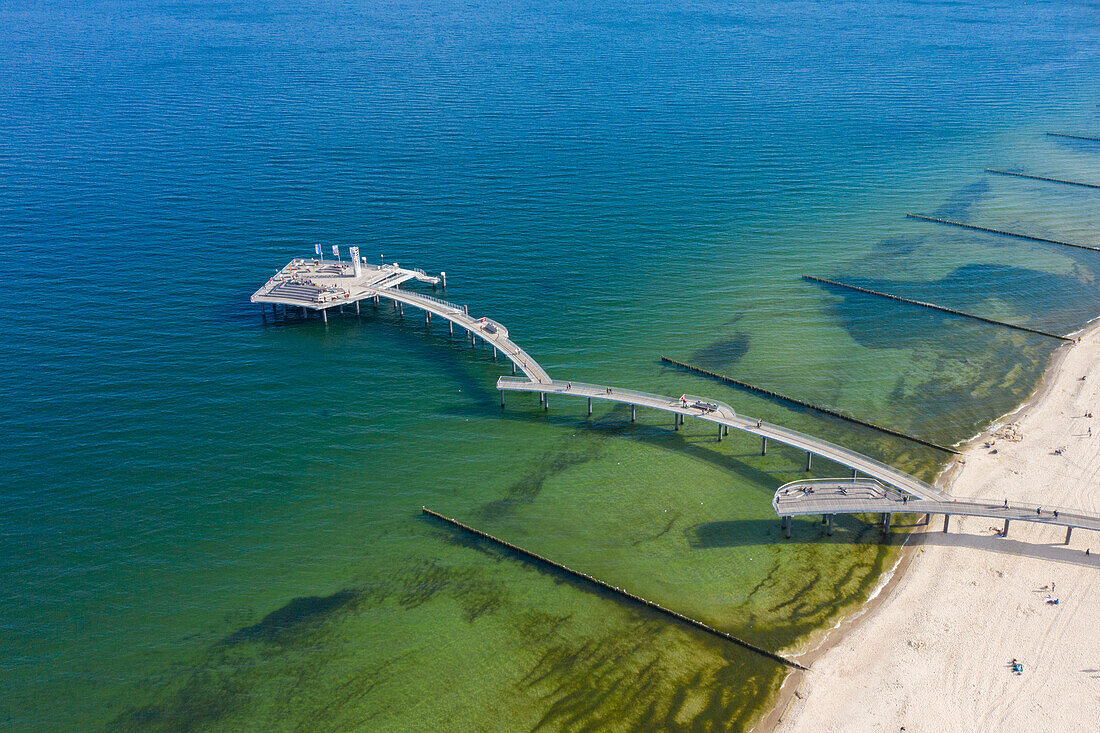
[335, 250]
[317, 249]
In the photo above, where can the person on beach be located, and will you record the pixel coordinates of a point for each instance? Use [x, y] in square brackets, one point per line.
[1038, 510]
[1006, 503]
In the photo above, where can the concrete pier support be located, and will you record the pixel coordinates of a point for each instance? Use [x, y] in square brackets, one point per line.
[764, 446]
[1004, 532]
[727, 429]
[546, 402]
[590, 407]
[787, 527]
[513, 368]
[720, 429]
[633, 412]
[675, 421]
[263, 312]
[542, 397]
[324, 315]
[451, 328]
[502, 398]
[1069, 533]
[400, 310]
[829, 529]
[886, 522]
[855, 473]
[357, 308]
[809, 460]
[494, 353]
[946, 521]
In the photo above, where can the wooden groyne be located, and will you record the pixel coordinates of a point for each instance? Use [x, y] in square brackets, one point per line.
[803, 403]
[614, 589]
[941, 308]
[1043, 178]
[1002, 232]
[1075, 137]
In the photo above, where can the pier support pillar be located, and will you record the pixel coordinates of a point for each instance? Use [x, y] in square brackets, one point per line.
[1069, 533]
[494, 353]
[886, 522]
[502, 398]
[451, 328]
[400, 310]
[590, 407]
[633, 412]
[809, 460]
[341, 308]
[727, 429]
[787, 527]
[764, 446]
[1004, 532]
[357, 307]
[546, 402]
[675, 421]
[829, 529]
[946, 521]
[824, 518]
[855, 473]
[927, 519]
[542, 397]
[324, 315]
[263, 313]
[720, 427]
[513, 368]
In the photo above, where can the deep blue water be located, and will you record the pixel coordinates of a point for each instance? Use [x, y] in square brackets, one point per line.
[612, 181]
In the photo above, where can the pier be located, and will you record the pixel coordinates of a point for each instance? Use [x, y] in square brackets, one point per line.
[725, 416]
[1002, 232]
[614, 589]
[317, 285]
[829, 497]
[933, 306]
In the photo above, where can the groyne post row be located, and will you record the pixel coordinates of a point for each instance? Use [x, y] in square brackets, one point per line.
[1002, 232]
[1074, 137]
[614, 589]
[810, 405]
[1042, 178]
[933, 306]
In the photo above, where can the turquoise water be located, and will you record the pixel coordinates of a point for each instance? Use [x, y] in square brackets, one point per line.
[212, 522]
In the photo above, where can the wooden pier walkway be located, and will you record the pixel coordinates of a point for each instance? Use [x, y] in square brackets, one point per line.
[829, 497]
[724, 416]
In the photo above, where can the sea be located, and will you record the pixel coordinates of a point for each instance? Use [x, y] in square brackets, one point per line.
[210, 520]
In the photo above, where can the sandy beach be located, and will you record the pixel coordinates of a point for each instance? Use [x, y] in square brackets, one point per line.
[935, 652]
